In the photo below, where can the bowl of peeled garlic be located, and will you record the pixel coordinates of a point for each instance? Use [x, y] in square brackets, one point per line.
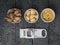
[31, 15]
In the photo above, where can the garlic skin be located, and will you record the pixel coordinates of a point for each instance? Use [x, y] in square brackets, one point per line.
[14, 14]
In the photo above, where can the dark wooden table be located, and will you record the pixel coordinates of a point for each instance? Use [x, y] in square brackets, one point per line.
[9, 33]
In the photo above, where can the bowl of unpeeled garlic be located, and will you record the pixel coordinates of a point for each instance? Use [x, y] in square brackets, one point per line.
[13, 15]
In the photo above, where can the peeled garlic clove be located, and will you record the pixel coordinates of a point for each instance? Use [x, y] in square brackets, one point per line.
[27, 18]
[28, 13]
[31, 17]
[32, 12]
[32, 20]
[35, 16]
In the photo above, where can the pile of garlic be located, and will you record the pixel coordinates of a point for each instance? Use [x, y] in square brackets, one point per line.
[31, 15]
[13, 15]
